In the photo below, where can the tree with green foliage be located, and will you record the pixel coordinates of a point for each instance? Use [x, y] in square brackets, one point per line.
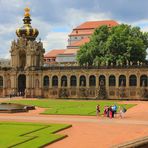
[116, 45]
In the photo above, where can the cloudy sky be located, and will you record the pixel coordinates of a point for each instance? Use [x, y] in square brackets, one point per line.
[56, 18]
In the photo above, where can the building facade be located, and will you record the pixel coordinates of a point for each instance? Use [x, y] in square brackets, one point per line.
[128, 82]
[81, 33]
[78, 37]
[28, 75]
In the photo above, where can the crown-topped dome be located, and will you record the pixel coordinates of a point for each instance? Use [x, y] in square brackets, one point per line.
[27, 31]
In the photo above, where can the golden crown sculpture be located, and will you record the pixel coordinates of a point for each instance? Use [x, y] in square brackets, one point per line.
[27, 31]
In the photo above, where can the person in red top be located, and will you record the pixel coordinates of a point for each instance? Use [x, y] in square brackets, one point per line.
[110, 112]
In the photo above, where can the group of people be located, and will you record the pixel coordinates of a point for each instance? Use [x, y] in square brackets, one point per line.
[111, 111]
[14, 94]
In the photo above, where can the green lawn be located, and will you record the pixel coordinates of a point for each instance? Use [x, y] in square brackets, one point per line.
[31, 135]
[71, 107]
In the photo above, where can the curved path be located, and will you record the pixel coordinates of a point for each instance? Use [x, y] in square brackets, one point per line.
[92, 132]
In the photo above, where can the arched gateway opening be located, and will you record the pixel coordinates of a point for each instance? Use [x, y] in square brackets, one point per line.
[21, 83]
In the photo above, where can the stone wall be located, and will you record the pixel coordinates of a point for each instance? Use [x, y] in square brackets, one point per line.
[77, 82]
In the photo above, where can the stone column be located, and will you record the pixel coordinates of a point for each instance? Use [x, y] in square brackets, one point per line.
[117, 85]
[13, 81]
[41, 81]
[78, 81]
[97, 81]
[50, 81]
[127, 81]
[138, 80]
[4, 85]
[68, 81]
[27, 81]
[107, 82]
[32, 90]
[17, 60]
[97, 85]
[78, 85]
[33, 82]
[138, 91]
[59, 81]
[117, 81]
[87, 81]
[27, 60]
[127, 87]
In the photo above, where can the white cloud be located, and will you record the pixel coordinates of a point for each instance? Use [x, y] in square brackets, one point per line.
[143, 24]
[43, 27]
[11, 3]
[145, 29]
[55, 40]
[6, 29]
[7, 34]
[64, 14]
[76, 16]
[4, 48]
[59, 40]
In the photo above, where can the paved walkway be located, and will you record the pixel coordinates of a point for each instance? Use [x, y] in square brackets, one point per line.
[61, 119]
[92, 132]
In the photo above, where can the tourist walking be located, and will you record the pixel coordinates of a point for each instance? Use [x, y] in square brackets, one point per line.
[110, 112]
[114, 110]
[97, 110]
[122, 111]
[105, 111]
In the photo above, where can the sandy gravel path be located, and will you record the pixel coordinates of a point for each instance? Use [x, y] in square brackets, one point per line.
[92, 132]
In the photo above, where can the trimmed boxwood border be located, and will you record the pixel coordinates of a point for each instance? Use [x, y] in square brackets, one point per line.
[46, 126]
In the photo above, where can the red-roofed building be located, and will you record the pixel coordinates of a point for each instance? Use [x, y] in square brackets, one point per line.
[50, 57]
[77, 44]
[78, 37]
[96, 24]
[69, 56]
[85, 30]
